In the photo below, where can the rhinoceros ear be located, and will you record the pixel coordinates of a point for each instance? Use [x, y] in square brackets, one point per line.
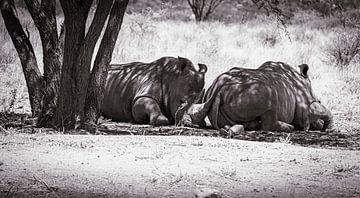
[304, 68]
[202, 68]
[182, 63]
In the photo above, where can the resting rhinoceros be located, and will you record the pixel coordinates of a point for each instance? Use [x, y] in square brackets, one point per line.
[151, 93]
[274, 97]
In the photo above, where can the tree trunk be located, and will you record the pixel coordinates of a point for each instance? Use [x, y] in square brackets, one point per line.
[101, 64]
[64, 101]
[197, 18]
[44, 17]
[75, 13]
[26, 54]
[87, 50]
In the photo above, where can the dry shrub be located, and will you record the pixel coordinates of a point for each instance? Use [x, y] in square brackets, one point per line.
[353, 84]
[351, 18]
[344, 49]
[268, 37]
[9, 102]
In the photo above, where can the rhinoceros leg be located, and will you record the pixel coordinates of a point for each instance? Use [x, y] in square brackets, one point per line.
[269, 122]
[147, 110]
[254, 125]
[284, 127]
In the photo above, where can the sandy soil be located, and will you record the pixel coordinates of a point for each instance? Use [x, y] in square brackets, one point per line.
[171, 166]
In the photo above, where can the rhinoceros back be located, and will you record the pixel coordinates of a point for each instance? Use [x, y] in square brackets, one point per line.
[278, 77]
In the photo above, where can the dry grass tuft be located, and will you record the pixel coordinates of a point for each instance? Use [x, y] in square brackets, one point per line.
[345, 167]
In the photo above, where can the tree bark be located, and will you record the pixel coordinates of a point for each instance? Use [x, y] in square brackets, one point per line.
[26, 54]
[75, 13]
[86, 52]
[44, 17]
[101, 65]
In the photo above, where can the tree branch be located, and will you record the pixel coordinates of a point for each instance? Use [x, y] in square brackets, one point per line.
[102, 61]
[87, 50]
[203, 8]
[44, 16]
[26, 54]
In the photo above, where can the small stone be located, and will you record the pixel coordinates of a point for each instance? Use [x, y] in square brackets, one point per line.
[226, 127]
[208, 193]
[236, 129]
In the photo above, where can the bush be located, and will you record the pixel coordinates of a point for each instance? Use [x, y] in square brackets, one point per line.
[8, 103]
[329, 7]
[268, 37]
[344, 48]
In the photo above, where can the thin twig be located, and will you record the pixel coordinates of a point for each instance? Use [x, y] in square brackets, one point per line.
[49, 188]
[8, 192]
[3, 130]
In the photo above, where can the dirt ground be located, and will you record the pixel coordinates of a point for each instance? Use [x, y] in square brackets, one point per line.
[64, 165]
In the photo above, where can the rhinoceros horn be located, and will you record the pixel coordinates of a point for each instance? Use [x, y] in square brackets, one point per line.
[186, 106]
[198, 112]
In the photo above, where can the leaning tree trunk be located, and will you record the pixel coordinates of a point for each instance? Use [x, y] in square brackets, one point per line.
[26, 54]
[44, 16]
[86, 52]
[75, 13]
[101, 65]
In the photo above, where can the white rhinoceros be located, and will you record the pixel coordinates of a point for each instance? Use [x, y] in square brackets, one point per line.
[151, 93]
[274, 97]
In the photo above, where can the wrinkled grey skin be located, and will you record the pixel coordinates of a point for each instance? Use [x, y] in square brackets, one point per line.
[151, 93]
[274, 97]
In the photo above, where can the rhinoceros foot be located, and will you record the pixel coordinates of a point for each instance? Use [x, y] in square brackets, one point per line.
[159, 120]
[283, 127]
[232, 131]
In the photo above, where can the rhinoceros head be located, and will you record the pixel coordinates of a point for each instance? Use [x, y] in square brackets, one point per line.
[186, 87]
[309, 108]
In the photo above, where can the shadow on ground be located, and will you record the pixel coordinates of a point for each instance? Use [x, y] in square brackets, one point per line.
[23, 123]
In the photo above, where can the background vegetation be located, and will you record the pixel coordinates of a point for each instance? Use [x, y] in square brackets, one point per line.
[236, 34]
